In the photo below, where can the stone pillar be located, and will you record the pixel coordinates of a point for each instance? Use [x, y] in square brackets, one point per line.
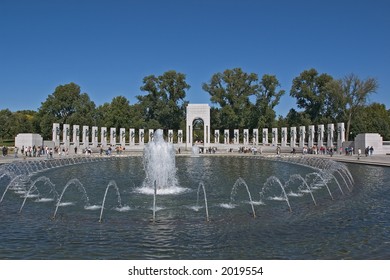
[56, 134]
[66, 135]
[95, 140]
[76, 135]
[141, 136]
[310, 141]
[265, 136]
[132, 136]
[85, 138]
[236, 137]
[122, 133]
[246, 137]
[320, 135]
[329, 142]
[274, 136]
[226, 136]
[113, 136]
[151, 134]
[293, 136]
[170, 136]
[284, 137]
[216, 136]
[255, 137]
[103, 136]
[180, 136]
[302, 136]
[340, 135]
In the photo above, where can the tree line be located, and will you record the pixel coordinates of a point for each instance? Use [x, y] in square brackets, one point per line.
[239, 100]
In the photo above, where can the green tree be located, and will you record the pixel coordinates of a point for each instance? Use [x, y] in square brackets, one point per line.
[164, 104]
[66, 106]
[351, 94]
[231, 91]
[310, 90]
[115, 114]
[267, 98]
[5, 124]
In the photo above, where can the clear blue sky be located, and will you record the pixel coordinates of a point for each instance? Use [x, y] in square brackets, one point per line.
[108, 47]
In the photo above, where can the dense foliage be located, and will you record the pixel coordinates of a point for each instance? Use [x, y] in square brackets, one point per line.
[240, 100]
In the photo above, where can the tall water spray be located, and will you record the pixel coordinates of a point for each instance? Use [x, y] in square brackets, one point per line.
[159, 164]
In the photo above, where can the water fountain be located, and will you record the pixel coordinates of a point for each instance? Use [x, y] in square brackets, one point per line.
[326, 211]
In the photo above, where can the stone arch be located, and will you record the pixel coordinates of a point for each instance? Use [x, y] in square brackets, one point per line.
[198, 111]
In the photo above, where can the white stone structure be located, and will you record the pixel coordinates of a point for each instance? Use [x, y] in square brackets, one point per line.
[216, 136]
[274, 136]
[226, 137]
[310, 137]
[340, 135]
[131, 136]
[113, 136]
[151, 135]
[85, 138]
[265, 136]
[236, 137]
[56, 134]
[293, 136]
[180, 136]
[364, 140]
[255, 137]
[103, 136]
[198, 111]
[170, 136]
[320, 135]
[122, 135]
[246, 137]
[76, 135]
[95, 140]
[284, 137]
[330, 140]
[66, 135]
[28, 140]
[141, 137]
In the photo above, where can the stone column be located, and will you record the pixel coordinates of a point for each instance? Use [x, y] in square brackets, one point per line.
[180, 136]
[274, 136]
[302, 136]
[255, 137]
[132, 136]
[310, 141]
[236, 137]
[95, 140]
[265, 136]
[170, 136]
[141, 136]
[86, 135]
[122, 133]
[76, 135]
[284, 137]
[103, 136]
[151, 134]
[66, 135]
[293, 135]
[226, 136]
[329, 143]
[56, 134]
[246, 137]
[340, 135]
[216, 136]
[320, 135]
[113, 136]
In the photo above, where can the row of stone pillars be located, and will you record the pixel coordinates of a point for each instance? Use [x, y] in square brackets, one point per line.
[90, 136]
[298, 136]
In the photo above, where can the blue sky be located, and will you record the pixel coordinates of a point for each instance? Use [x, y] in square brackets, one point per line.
[108, 47]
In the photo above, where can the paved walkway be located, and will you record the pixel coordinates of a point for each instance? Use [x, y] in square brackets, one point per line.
[379, 160]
